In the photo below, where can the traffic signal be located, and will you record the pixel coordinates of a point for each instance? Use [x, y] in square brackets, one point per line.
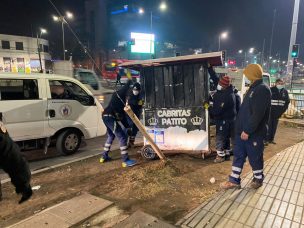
[295, 51]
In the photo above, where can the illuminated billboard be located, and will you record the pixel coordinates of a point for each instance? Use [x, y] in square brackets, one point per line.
[143, 43]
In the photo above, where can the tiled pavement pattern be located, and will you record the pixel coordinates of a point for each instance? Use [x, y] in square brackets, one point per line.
[278, 203]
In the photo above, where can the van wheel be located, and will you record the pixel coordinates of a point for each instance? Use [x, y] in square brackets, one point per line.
[68, 142]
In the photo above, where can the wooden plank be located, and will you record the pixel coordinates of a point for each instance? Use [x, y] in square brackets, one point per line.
[142, 130]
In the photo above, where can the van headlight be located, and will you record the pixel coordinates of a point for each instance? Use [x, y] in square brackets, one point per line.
[100, 98]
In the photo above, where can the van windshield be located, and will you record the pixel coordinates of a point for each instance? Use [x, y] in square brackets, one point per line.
[89, 79]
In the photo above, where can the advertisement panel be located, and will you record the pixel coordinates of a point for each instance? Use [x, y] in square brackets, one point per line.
[178, 129]
[143, 43]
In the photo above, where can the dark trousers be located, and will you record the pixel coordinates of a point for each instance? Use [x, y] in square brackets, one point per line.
[253, 149]
[115, 130]
[272, 128]
[224, 133]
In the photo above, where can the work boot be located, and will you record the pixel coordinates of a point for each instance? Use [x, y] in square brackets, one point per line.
[229, 185]
[273, 142]
[227, 155]
[219, 159]
[128, 163]
[255, 184]
[105, 158]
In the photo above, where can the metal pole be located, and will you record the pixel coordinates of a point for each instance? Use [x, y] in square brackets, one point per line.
[262, 57]
[272, 31]
[63, 44]
[219, 48]
[39, 54]
[293, 37]
[151, 21]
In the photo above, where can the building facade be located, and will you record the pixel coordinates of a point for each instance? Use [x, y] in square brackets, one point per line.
[20, 54]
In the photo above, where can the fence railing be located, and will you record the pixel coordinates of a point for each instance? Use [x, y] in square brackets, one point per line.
[296, 106]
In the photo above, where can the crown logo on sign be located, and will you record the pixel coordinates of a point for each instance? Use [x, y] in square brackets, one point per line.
[152, 121]
[197, 121]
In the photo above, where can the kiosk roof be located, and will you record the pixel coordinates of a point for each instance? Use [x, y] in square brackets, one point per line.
[214, 58]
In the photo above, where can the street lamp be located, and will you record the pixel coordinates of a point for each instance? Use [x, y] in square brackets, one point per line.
[63, 21]
[223, 36]
[251, 50]
[163, 7]
[240, 51]
[42, 31]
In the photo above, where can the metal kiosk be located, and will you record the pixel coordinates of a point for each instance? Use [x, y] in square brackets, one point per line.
[176, 94]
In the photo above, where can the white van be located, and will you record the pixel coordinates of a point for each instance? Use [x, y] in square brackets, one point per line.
[39, 108]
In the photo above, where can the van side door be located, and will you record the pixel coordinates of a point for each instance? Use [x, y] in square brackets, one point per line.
[69, 105]
[23, 107]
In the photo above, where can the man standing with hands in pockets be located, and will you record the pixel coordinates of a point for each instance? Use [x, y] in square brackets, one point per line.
[251, 129]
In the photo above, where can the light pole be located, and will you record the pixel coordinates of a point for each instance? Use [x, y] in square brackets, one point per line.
[63, 21]
[42, 31]
[162, 7]
[223, 35]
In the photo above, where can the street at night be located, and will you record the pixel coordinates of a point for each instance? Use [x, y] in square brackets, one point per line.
[163, 113]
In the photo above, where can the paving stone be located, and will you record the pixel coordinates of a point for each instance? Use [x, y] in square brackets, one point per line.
[245, 215]
[43, 220]
[283, 172]
[282, 210]
[261, 219]
[213, 221]
[238, 212]
[198, 218]
[297, 186]
[287, 195]
[269, 221]
[280, 194]
[277, 222]
[255, 198]
[204, 220]
[298, 214]
[275, 206]
[286, 223]
[261, 202]
[295, 225]
[300, 199]
[291, 184]
[273, 180]
[294, 197]
[231, 210]
[222, 223]
[268, 203]
[288, 174]
[274, 191]
[278, 181]
[142, 220]
[248, 197]
[290, 211]
[79, 208]
[267, 189]
[241, 196]
[285, 183]
[252, 218]
[224, 207]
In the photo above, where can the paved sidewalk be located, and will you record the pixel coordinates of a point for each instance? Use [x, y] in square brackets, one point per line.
[278, 203]
[66, 214]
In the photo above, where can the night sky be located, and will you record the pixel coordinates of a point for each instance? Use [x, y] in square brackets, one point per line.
[192, 23]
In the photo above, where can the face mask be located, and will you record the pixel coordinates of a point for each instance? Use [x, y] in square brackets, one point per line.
[219, 87]
[135, 92]
[280, 87]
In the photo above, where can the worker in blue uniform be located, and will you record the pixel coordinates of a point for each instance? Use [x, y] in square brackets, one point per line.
[115, 119]
[251, 129]
[135, 100]
[223, 112]
[279, 104]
